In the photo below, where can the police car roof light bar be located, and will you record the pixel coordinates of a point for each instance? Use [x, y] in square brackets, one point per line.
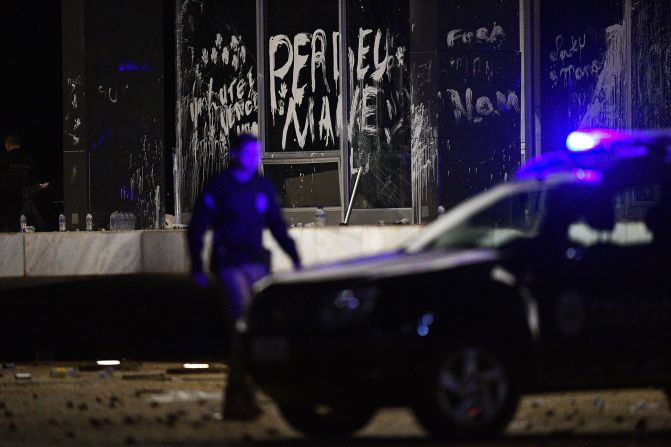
[591, 139]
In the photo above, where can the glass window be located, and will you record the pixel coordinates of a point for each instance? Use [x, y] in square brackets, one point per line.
[379, 101]
[628, 218]
[509, 218]
[306, 185]
[302, 72]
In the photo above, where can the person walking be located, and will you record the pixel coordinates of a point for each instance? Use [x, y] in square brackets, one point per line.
[237, 205]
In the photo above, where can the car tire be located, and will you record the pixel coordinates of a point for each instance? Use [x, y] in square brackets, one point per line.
[470, 392]
[327, 420]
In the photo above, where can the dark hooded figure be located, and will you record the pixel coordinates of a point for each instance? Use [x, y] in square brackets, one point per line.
[18, 183]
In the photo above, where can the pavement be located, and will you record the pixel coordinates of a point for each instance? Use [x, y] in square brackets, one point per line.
[161, 404]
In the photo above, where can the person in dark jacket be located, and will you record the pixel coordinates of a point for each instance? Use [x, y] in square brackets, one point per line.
[18, 183]
[238, 205]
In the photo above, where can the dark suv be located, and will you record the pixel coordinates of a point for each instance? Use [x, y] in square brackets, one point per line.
[558, 280]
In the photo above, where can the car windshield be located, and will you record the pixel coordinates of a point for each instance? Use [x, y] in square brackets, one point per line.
[489, 220]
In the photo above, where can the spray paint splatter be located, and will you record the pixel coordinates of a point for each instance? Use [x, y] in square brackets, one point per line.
[73, 114]
[424, 150]
[146, 180]
[379, 119]
[606, 106]
[217, 97]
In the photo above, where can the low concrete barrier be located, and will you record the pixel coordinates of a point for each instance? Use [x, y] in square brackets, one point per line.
[109, 253]
[12, 260]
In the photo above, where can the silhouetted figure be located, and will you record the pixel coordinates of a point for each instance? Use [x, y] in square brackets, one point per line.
[237, 205]
[18, 183]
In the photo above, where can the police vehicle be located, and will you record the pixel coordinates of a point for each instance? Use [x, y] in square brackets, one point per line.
[558, 280]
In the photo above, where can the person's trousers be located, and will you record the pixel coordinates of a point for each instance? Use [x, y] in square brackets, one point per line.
[236, 282]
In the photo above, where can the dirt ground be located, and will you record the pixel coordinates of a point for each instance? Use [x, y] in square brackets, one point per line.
[152, 404]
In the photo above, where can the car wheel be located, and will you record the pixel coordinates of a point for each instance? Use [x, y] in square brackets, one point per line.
[326, 420]
[471, 392]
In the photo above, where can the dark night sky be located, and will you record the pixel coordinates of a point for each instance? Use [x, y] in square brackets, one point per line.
[30, 85]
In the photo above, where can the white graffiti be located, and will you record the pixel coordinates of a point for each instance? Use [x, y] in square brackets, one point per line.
[567, 64]
[424, 150]
[607, 101]
[482, 35]
[305, 100]
[467, 110]
[145, 168]
[219, 99]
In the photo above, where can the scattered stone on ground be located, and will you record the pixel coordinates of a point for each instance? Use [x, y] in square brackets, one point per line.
[66, 409]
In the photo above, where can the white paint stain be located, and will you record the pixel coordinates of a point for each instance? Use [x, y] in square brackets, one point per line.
[424, 155]
[218, 99]
[606, 105]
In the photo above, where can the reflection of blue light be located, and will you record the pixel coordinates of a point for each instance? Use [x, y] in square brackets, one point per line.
[209, 201]
[581, 141]
[102, 139]
[134, 66]
[128, 193]
[347, 300]
[587, 175]
[427, 319]
[633, 152]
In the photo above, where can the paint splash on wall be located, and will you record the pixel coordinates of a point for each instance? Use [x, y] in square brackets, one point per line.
[146, 178]
[584, 70]
[424, 150]
[424, 139]
[606, 106]
[217, 93]
[379, 118]
[73, 115]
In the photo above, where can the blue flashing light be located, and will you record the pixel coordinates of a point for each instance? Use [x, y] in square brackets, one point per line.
[587, 140]
[579, 141]
[592, 150]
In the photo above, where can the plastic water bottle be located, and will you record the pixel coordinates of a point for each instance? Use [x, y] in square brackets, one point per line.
[24, 223]
[89, 222]
[113, 221]
[61, 222]
[320, 217]
[131, 221]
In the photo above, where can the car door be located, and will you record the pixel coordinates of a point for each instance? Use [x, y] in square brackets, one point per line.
[601, 290]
